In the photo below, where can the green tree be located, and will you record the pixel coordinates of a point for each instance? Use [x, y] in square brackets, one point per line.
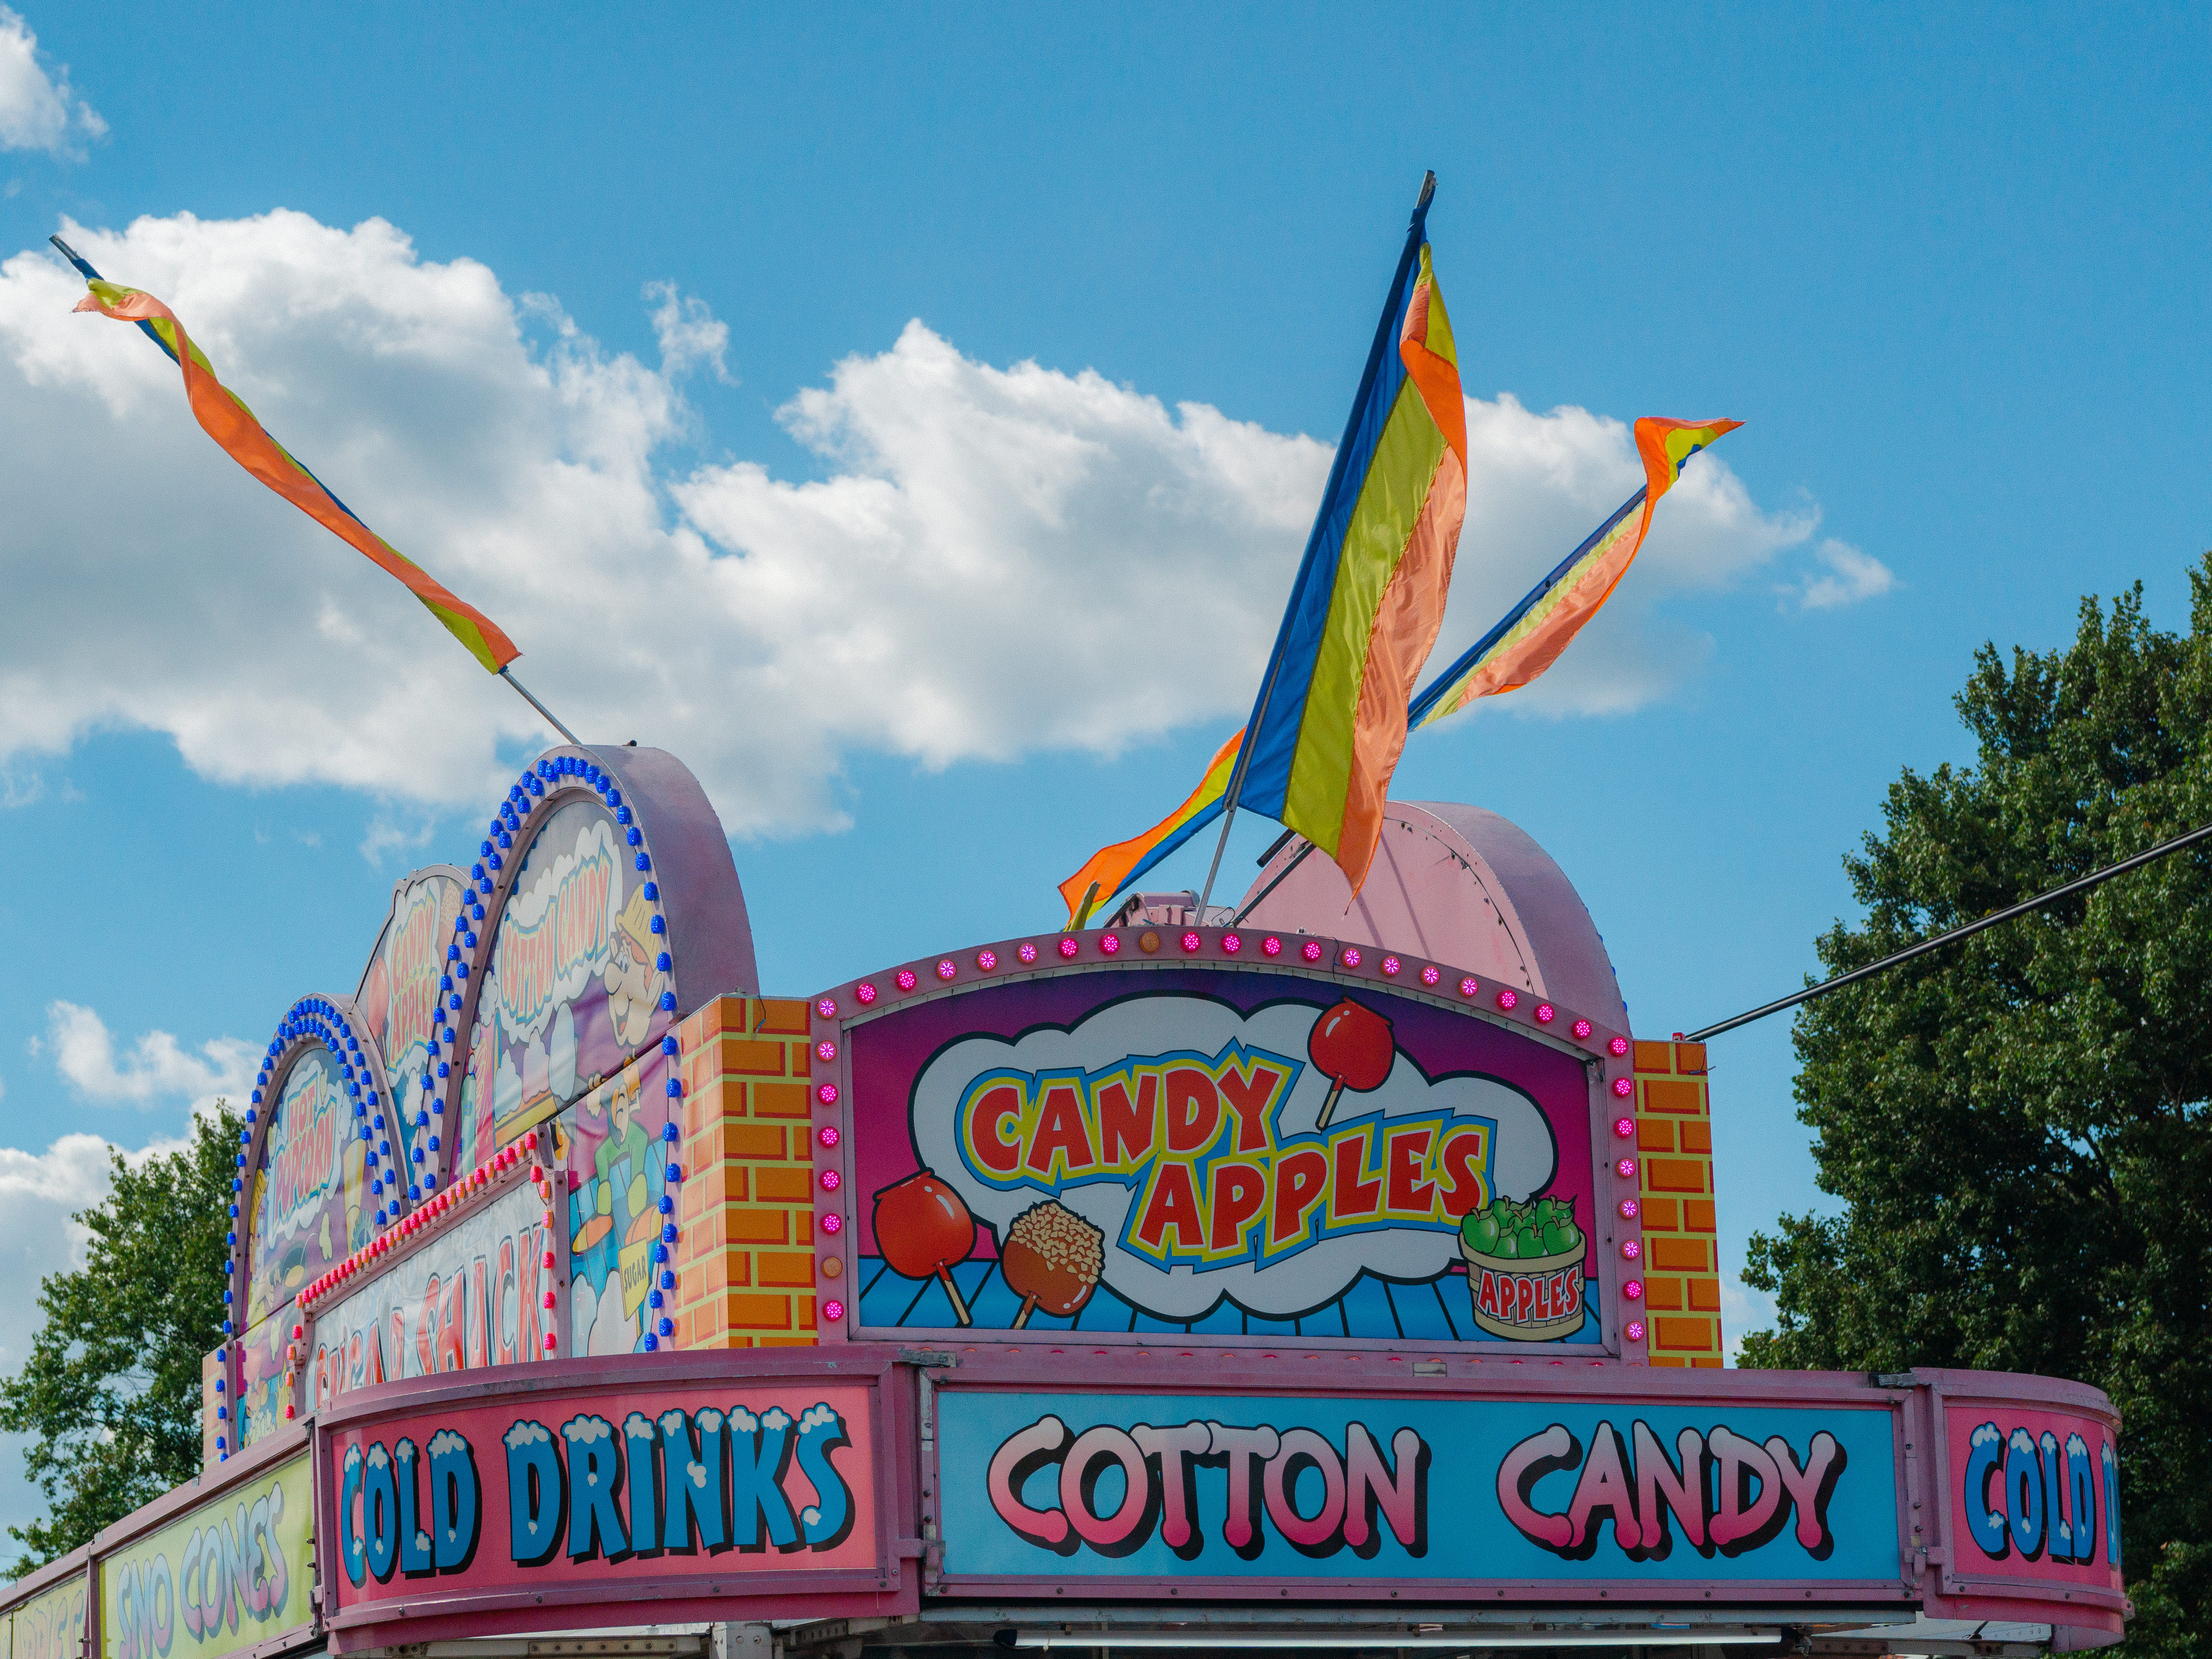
[2016, 1126]
[111, 1393]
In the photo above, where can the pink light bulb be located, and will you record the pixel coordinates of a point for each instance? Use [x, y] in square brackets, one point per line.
[834, 1311]
[1507, 999]
[1581, 1030]
[1431, 975]
[1626, 1169]
[1271, 946]
[832, 1222]
[1633, 1290]
[1469, 986]
[1068, 947]
[1310, 949]
[1619, 1045]
[1392, 966]
[1633, 1330]
[831, 1181]
[867, 994]
[1628, 1209]
[827, 1008]
[1191, 941]
[829, 1136]
[946, 969]
[1545, 1014]
[1028, 951]
[905, 980]
[1351, 956]
[1231, 944]
[987, 960]
[827, 1094]
[1624, 1126]
[1110, 943]
[825, 1050]
[1624, 1087]
[1631, 1248]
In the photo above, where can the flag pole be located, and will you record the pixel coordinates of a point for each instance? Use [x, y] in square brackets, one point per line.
[574, 741]
[1313, 538]
[84, 268]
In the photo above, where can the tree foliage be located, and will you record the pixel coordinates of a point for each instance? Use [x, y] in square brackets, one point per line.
[2017, 1126]
[111, 1393]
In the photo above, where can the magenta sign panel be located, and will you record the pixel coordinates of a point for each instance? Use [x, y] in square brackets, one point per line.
[1217, 1152]
[2034, 1497]
[628, 1489]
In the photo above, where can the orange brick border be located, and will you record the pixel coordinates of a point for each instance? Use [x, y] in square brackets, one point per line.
[1681, 1265]
[744, 1253]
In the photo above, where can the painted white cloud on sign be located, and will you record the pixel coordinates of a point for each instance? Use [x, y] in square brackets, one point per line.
[1523, 1160]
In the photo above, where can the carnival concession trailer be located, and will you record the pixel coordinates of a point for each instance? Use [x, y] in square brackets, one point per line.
[1306, 1274]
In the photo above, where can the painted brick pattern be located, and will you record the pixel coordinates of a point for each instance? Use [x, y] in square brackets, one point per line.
[744, 1250]
[1674, 1136]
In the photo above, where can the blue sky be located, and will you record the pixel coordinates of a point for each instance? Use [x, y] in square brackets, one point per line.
[1945, 263]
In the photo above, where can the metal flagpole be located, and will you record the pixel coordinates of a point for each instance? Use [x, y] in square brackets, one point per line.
[84, 268]
[1313, 539]
[574, 741]
[1957, 933]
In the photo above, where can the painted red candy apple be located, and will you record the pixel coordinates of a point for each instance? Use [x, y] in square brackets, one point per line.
[1353, 1047]
[923, 1227]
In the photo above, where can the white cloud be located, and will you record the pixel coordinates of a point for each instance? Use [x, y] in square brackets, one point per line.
[687, 333]
[38, 111]
[999, 560]
[1850, 576]
[157, 1067]
[1742, 1309]
[385, 836]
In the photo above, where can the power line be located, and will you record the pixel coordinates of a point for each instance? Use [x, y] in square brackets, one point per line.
[1957, 933]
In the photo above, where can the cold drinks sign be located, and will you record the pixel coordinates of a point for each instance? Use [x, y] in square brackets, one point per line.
[651, 1488]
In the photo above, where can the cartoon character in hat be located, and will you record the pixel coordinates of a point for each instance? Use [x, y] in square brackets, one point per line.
[633, 975]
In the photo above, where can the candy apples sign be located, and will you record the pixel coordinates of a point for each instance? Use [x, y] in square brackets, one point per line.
[1215, 1152]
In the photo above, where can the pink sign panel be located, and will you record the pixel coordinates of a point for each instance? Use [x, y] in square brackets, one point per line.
[2034, 1497]
[1212, 1152]
[623, 1487]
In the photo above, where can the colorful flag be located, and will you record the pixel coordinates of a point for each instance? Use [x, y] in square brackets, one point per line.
[1330, 722]
[226, 420]
[1531, 636]
[1113, 868]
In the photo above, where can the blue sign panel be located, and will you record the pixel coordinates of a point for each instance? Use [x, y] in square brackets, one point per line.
[1057, 1485]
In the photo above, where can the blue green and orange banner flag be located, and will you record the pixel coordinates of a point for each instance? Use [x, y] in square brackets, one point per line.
[1330, 721]
[1113, 868]
[1528, 638]
[1526, 642]
[225, 418]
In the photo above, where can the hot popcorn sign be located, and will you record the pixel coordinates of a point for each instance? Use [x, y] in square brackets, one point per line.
[1261, 1151]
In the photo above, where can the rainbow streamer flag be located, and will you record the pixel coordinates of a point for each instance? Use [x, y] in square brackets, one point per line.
[1530, 637]
[1330, 722]
[1115, 867]
[226, 419]
[1525, 643]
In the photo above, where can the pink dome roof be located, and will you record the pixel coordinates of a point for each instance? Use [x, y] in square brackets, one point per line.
[1463, 887]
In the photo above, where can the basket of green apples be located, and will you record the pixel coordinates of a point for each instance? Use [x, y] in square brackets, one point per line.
[1524, 1268]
